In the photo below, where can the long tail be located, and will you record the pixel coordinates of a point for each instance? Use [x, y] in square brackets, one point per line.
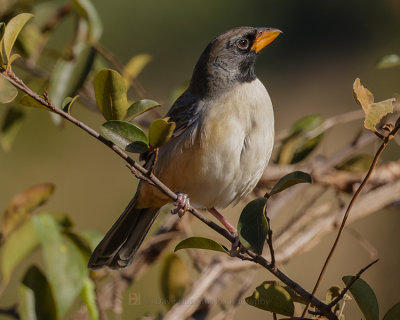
[121, 242]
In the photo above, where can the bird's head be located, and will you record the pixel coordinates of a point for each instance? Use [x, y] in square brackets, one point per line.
[229, 59]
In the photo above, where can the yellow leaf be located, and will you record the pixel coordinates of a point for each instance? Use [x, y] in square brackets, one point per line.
[160, 132]
[374, 111]
[110, 91]
[12, 31]
[28, 101]
[13, 57]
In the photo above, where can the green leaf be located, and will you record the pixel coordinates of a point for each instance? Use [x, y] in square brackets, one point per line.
[365, 297]
[374, 111]
[174, 279]
[37, 301]
[289, 180]
[89, 298]
[28, 101]
[13, 57]
[7, 91]
[67, 104]
[393, 313]
[86, 10]
[200, 243]
[20, 243]
[138, 107]
[389, 61]
[22, 204]
[12, 31]
[305, 135]
[272, 298]
[126, 135]
[110, 90]
[66, 267]
[253, 225]
[294, 295]
[69, 75]
[135, 66]
[11, 125]
[160, 132]
[358, 164]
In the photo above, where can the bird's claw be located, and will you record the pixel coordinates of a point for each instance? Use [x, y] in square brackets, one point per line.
[181, 204]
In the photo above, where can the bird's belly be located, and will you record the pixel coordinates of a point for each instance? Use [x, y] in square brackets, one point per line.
[225, 164]
[227, 155]
[227, 171]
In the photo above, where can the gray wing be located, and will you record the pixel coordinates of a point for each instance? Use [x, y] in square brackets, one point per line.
[184, 112]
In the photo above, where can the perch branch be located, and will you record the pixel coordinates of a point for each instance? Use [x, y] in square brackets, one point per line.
[13, 79]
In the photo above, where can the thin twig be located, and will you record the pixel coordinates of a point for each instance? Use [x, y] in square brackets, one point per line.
[55, 19]
[385, 142]
[269, 242]
[357, 276]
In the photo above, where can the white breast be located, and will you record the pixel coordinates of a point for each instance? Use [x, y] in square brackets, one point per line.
[234, 140]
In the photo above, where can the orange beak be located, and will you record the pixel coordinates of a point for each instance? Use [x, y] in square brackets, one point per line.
[265, 37]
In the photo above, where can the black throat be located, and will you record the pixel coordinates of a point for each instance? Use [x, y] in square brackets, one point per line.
[211, 77]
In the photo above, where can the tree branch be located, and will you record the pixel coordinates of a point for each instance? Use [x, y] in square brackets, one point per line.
[385, 142]
[133, 165]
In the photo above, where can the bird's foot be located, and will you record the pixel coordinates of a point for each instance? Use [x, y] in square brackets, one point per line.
[181, 204]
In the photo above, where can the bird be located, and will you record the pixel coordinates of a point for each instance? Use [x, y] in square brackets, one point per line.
[220, 147]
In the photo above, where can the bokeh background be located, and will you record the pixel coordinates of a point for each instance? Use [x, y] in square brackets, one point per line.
[309, 69]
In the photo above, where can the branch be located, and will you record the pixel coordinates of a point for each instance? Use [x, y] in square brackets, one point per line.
[385, 142]
[357, 276]
[135, 167]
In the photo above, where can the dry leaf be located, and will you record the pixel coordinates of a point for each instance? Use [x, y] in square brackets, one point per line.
[374, 112]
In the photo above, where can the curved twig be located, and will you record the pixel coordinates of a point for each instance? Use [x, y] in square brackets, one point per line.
[385, 142]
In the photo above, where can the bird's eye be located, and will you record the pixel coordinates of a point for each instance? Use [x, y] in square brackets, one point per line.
[243, 44]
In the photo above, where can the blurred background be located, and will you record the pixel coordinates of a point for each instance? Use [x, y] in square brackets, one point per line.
[309, 69]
